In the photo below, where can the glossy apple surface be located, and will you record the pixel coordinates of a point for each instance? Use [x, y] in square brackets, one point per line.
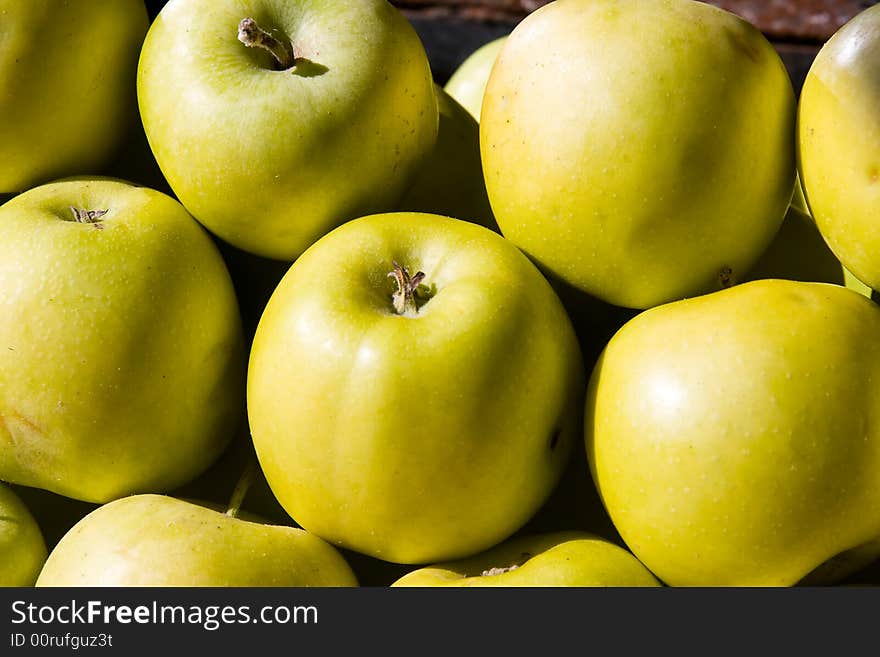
[638, 150]
[467, 84]
[839, 143]
[22, 548]
[121, 357]
[733, 437]
[156, 540]
[555, 559]
[67, 86]
[422, 435]
[270, 160]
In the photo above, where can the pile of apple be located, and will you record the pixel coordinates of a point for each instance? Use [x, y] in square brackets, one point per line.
[276, 309]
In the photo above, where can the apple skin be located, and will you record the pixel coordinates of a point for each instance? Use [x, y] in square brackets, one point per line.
[270, 160]
[22, 548]
[839, 143]
[121, 353]
[450, 178]
[733, 437]
[423, 437]
[67, 76]
[156, 540]
[798, 199]
[855, 284]
[467, 84]
[798, 253]
[556, 559]
[669, 158]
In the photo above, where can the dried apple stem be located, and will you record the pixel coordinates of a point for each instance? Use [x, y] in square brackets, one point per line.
[254, 36]
[245, 481]
[404, 299]
[82, 216]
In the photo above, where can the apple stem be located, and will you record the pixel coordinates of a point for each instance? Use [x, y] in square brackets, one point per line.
[242, 486]
[404, 299]
[86, 216]
[254, 36]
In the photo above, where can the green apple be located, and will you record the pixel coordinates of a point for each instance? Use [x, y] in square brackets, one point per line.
[839, 143]
[272, 151]
[156, 540]
[22, 548]
[450, 178]
[67, 85]
[855, 284]
[639, 150]
[798, 199]
[734, 437]
[414, 389]
[556, 559]
[121, 356]
[467, 84]
[798, 253]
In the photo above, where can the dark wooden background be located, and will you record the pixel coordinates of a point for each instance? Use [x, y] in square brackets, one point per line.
[786, 20]
[451, 29]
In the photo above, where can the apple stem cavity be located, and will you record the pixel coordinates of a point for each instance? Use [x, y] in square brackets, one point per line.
[242, 486]
[404, 299]
[254, 36]
[82, 216]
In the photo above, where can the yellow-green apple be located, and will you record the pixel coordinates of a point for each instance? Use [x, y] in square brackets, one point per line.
[467, 84]
[67, 85]
[555, 559]
[450, 177]
[639, 150]
[121, 354]
[839, 143]
[22, 548]
[413, 388]
[275, 121]
[734, 438]
[157, 540]
[798, 199]
[798, 253]
[854, 283]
